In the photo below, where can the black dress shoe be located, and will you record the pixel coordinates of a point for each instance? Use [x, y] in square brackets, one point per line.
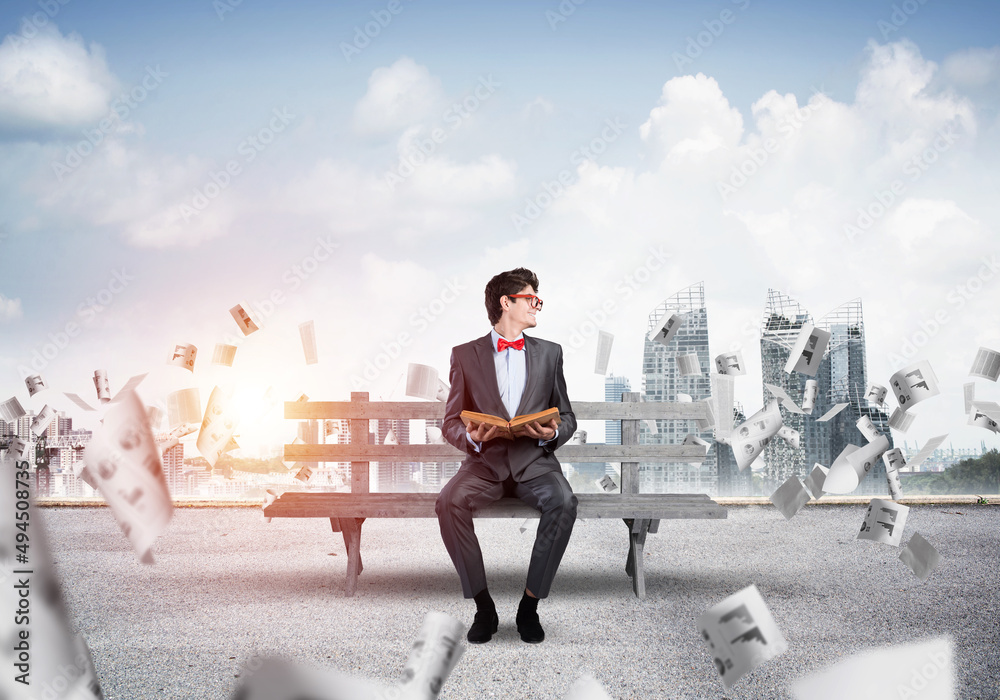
[529, 627]
[483, 627]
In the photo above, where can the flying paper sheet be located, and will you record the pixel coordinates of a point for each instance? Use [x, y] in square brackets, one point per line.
[837, 408]
[218, 425]
[390, 438]
[11, 410]
[990, 408]
[969, 394]
[730, 363]
[692, 439]
[919, 671]
[986, 364]
[688, 365]
[40, 423]
[876, 393]
[749, 439]
[867, 428]
[607, 483]
[807, 352]
[920, 556]
[223, 354]
[684, 398]
[981, 420]
[35, 383]
[900, 420]
[845, 478]
[809, 395]
[578, 438]
[651, 426]
[245, 318]
[782, 396]
[817, 477]
[790, 497]
[79, 402]
[304, 473]
[307, 331]
[790, 436]
[913, 384]
[102, 385]
[130, 385]
[741, 634]
[723, 397]
[421, 382]
[846, 474]
[665, 329]
[443, 391]
[55, 656]
[894, 461]
[183, 406]
[586, 688]
[433, 656]
[604, 342]
[184, 356]
[124, 462]
[17, 447]
[884, 522]
[926, 451]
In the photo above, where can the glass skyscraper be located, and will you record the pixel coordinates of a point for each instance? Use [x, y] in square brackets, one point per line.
[662, 381]
[614, 387]
[842, 378]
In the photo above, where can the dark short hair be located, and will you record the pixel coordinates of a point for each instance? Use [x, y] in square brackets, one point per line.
[510, 282]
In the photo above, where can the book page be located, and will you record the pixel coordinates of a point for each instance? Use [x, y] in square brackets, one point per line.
[884, 522]
[986, 364]
[807, 352]
[184, 355]
[741, 634]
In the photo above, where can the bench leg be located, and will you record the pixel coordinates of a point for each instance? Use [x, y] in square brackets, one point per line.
[637, 530]
[351, 528]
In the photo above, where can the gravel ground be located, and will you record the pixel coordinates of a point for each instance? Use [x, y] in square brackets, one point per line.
[228, 588]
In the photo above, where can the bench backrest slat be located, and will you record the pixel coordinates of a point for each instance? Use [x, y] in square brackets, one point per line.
[359, 410]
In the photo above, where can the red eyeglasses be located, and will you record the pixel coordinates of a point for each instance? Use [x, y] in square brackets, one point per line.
[533, 301]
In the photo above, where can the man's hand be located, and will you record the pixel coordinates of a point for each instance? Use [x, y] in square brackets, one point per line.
[480, 433]
[542, 432]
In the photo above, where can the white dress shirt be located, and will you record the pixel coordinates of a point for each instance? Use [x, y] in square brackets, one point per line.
[512, 375]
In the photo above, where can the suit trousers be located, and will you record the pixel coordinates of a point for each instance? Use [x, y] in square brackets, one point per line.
[471, 489]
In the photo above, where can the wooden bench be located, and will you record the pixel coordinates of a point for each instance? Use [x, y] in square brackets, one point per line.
[347, 511]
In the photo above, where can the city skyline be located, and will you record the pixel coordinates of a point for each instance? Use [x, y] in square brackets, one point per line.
[621, 153]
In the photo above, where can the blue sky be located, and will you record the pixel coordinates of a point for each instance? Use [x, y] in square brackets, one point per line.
[889, 89]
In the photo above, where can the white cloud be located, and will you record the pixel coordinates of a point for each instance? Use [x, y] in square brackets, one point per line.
[693, 118]
[784, 226]
[893, 94]
[398, 96]
[10, 309]
[538, 109]
[974, 67]
[140, 195]
[52, 82]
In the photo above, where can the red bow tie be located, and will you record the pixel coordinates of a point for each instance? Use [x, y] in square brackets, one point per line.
[503, 344]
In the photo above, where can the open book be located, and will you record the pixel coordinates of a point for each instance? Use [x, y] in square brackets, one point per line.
[515, 426]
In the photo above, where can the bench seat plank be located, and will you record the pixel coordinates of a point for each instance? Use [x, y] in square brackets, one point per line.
[313, 504]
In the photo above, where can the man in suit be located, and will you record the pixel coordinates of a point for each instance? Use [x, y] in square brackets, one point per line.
[506, 373]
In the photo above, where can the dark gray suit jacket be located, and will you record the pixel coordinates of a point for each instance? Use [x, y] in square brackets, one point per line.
[474, 388]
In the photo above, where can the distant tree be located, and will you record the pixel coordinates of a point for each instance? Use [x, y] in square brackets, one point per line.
[970, 476]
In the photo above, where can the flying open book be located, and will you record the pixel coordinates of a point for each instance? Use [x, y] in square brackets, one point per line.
[515, 426]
